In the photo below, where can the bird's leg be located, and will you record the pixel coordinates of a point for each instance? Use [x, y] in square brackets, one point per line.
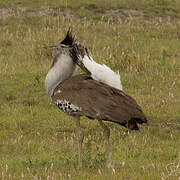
[80, 137]
[106, 132]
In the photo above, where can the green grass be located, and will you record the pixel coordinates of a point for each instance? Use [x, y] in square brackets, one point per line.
[37, 141]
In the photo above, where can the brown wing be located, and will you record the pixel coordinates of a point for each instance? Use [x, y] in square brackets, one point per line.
[99, 101]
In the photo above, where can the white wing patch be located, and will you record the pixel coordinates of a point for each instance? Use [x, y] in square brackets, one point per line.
[102, 73]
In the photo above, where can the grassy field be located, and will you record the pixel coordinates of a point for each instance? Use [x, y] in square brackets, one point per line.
[141, 39]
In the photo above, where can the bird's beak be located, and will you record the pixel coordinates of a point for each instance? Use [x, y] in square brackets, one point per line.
[51, 47]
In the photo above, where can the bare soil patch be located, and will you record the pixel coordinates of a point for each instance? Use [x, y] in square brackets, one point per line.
[68, 13]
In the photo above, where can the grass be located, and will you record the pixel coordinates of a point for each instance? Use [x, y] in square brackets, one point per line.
[97, 9]
[38, 142]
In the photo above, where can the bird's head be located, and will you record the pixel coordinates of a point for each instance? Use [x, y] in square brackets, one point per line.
[68, 41]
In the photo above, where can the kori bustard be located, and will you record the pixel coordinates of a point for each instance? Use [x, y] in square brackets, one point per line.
[96, 94]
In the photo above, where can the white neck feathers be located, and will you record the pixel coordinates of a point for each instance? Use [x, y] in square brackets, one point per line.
[62, 69]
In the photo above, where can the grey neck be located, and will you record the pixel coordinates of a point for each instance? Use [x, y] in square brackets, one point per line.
[62, 68]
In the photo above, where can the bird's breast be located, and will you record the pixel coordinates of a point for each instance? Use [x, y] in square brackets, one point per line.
[60, 71]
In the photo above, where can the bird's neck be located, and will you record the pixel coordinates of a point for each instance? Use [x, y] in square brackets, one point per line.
[60, 70]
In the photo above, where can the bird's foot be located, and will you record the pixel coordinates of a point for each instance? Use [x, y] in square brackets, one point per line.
[108, 164]
[79, 166]
[110, 167]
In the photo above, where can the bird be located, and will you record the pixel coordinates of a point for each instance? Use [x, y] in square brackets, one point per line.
[96, 93]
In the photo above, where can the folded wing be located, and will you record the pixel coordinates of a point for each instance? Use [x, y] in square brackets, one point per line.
[97, 100]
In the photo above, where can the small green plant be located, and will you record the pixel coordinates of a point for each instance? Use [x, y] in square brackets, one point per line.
[163, 53]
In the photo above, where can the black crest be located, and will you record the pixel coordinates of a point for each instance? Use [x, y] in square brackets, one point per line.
[68, 40]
